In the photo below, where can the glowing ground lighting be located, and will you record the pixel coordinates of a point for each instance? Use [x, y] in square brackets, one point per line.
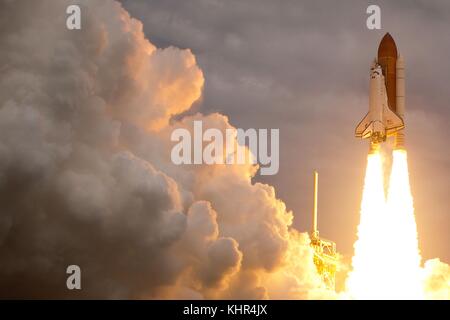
[386, 263]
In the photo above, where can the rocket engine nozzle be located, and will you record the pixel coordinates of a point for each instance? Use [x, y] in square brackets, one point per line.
[400, 140]
[374, 147]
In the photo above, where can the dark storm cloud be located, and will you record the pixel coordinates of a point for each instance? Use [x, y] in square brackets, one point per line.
[302, 66]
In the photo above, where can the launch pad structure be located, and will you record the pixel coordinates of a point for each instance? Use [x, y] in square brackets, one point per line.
[325, 254]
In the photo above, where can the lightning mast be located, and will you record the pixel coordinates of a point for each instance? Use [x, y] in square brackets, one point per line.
[325, 255]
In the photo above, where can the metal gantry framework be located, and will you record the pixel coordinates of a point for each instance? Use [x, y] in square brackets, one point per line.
[325, 254]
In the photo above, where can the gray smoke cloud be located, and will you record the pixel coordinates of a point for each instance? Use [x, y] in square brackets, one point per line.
[86, 176]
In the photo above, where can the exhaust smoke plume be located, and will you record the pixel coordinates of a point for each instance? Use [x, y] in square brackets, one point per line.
[86, 176]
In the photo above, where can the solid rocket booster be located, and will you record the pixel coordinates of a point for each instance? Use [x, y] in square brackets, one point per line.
[386, 98]
[400, 100]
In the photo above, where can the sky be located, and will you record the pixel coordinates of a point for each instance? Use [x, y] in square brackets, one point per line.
[302, 67]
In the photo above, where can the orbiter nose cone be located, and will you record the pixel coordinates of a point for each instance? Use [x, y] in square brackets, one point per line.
[387, 47]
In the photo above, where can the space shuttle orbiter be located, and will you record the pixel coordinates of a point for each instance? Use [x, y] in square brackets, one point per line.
[386, 98]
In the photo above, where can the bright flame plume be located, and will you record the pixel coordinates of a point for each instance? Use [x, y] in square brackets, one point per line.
[405, 269]
[386, 263]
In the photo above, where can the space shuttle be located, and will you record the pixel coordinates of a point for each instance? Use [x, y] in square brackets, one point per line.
[386, 98]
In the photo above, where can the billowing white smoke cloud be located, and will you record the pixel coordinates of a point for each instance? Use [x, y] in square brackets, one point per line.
[437, 280]
[86, 177]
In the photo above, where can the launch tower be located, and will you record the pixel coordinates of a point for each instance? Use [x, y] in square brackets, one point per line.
[325, 255]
